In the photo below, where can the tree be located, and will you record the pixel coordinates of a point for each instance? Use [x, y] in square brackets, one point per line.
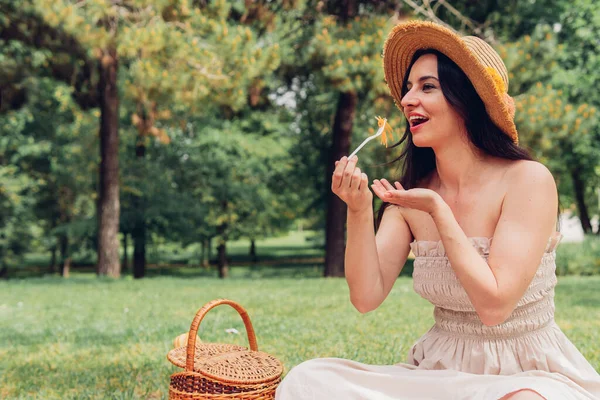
[565, 138]
[238, 177]
[153, 42]
[42, 151]
[236, 87]
[549, 118]
[345, 51]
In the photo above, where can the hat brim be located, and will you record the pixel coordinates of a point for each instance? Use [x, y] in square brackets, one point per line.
[407, 38]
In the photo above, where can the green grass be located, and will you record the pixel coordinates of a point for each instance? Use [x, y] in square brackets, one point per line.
[89, 338]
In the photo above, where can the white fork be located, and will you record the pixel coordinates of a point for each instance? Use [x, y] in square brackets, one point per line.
[377, 134]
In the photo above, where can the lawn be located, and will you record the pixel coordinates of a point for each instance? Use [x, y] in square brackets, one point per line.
[89, 338]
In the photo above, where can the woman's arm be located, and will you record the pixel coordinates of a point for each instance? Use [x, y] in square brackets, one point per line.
[373, 263]
[526, 223]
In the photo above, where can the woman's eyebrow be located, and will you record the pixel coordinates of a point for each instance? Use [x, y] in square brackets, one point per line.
[424, 78]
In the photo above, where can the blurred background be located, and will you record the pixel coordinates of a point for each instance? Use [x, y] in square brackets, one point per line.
[195, 137]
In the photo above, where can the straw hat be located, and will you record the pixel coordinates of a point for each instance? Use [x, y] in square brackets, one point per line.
[479, 61]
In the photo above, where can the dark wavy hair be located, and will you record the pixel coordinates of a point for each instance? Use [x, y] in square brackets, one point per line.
[418, 162]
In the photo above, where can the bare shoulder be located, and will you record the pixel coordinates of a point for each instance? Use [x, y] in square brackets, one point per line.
[530, 185]
[529, 176]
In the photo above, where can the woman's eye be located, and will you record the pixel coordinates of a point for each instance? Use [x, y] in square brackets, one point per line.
[428, 86]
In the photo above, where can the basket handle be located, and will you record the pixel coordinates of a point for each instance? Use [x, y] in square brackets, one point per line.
[191, 345]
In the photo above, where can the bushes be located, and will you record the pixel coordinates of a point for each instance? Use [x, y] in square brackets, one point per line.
[579, 258]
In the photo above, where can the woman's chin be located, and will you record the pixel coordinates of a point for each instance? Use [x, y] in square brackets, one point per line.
[420, 140]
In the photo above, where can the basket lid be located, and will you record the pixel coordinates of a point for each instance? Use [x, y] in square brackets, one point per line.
[245, 367]
[203, 350]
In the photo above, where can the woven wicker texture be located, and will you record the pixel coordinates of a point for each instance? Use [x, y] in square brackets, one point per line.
[178, 356]
[250, 367]
[223, 371]
[192, 386]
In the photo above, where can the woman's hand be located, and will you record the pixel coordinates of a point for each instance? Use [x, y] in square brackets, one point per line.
[420, 199]
[351, 185]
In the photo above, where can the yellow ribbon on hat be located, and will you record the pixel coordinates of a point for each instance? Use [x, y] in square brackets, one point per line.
[500, 87]
[498, 81]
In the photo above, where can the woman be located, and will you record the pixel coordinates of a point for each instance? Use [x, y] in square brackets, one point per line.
[465, 181]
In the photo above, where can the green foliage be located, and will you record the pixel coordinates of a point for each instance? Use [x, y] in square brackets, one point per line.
[511, 20]
[18, 60]
[557, 123]
[15, 215]
[350, 54]
[565, 137]
[546, 121]
[531, 59]
[173, 55]
[179, 62]
[243, 181]
[580, 29]
[46, 166]
[344, 57]
[245, 94]
[579, 258]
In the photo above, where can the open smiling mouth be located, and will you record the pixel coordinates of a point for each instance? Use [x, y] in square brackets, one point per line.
[416, 121]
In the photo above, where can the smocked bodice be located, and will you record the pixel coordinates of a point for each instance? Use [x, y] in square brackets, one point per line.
[435, 280]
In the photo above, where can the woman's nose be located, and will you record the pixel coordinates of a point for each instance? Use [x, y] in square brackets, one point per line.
[409, 99]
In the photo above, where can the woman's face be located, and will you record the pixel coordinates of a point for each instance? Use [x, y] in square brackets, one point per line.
[432, 119]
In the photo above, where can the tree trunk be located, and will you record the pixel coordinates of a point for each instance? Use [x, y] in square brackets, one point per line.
[344, 9]
[3, 272]
[138, 234]
[139, 250]
[65, 265]
[52, 268]
[108, 193]
[336, 208]
[222, 263]
[579, 188]
[205, 253]
[66, 268]
[125, 262]
[222, 260]
[253, 256]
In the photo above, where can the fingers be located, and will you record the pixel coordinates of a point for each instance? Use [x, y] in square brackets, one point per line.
[378, 188]
[385, 191]
[351, 185]
[387, 185]
[349, 172]
[338, 173]
[356, 178]
[343, 173]
[364, 182]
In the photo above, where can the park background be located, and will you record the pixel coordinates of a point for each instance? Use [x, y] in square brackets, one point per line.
[155, 155]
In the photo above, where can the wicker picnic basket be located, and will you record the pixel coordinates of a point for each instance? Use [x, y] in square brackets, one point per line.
[218, 371]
